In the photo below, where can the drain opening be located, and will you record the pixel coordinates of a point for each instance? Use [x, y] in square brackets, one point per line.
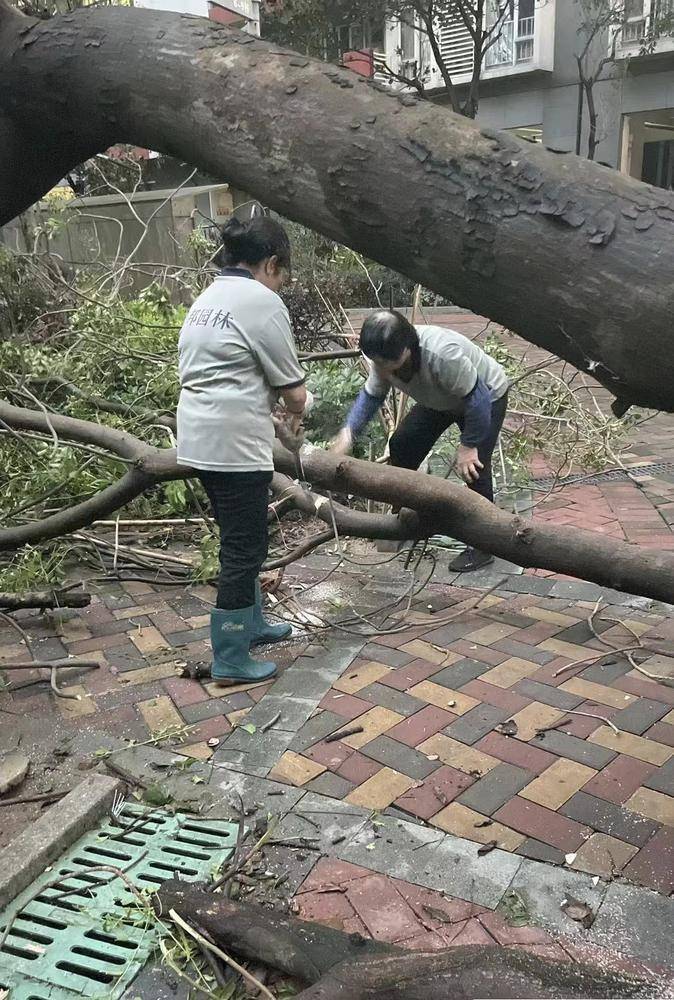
[30, 936]
[184, 853]
[108, 939]
[11, 949]
[37, 918]
[86, 973]
[107, 853]
[91, 953]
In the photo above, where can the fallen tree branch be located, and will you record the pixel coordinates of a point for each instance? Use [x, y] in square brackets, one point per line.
[209, 946]
[43, 599]
[50, 665]
[340, 966]
[432, 506]
[24, 799]
[376, 167]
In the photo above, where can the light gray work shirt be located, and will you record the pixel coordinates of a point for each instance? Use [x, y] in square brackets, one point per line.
[235, 353]
[450, 366]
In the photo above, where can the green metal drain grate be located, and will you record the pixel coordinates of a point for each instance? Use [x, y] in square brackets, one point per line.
[86, 943]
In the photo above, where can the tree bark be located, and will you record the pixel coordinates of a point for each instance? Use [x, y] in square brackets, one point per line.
[429, 505]
[45, 599]
[341, 966]
[572, 256]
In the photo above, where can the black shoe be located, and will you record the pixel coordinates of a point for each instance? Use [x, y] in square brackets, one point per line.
[469, 560]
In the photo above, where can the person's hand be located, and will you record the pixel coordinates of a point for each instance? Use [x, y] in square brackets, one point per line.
[294, 421]
[342, 443]
[468, 464]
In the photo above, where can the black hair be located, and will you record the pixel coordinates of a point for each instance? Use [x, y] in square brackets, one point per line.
[386, 333]
[252, 242]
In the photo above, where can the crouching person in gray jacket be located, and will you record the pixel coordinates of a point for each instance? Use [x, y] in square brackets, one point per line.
[452, 381]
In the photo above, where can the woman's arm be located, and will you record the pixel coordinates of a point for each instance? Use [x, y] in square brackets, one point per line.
[295, 399]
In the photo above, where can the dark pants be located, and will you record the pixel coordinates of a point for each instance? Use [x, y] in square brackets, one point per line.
[422, 427]
[239, 501]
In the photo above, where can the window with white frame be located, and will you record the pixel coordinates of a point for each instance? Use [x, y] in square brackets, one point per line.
[514, 32]
[362, 35]
[642, 17]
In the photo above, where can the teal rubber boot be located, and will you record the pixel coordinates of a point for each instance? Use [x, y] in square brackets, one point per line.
[231, 634]
[264, 631]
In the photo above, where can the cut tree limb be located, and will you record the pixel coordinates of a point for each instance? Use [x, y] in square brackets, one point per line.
[571, 255]
[45, 599]
[339, 966]
[430, 505]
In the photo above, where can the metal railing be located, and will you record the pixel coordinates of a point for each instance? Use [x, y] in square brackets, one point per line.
[633, 31]
[525, 27]
[511, 48]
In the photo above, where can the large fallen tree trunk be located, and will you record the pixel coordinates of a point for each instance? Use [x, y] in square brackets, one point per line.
[430, 505]
[341, 966]
[571, 255]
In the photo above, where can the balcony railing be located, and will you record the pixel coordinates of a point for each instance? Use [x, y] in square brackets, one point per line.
[633, 31]
[512, 48]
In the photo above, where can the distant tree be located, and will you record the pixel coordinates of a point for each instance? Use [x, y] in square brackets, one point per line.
[318, 27]
[601, 28]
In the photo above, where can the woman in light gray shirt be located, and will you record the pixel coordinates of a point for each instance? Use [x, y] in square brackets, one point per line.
[236, 358]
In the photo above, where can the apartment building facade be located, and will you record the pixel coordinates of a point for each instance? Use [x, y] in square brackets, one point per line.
[244, 14]
[530, 81]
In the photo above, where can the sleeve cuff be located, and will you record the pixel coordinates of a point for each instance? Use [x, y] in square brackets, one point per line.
[290, 385]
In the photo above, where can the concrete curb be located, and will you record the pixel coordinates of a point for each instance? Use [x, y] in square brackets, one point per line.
[48, 837]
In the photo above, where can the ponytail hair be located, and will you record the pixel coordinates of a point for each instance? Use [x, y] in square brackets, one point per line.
[252, 242]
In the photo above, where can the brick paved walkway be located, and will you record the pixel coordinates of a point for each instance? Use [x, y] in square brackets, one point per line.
[356, 900]
[470, 726]
[451, 719]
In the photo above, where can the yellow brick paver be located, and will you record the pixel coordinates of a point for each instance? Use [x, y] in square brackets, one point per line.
[634, 746]
[74, 709]
[381, 789]
[534, 717]
[552, 617]
[557, 783]
[148, 674]
[442, 697]
[510, 672]
[160, 713]
[568, 649]
[150, 608]
[200, 751]
[237, 718]
[200, 621]
[294, 769]
[375, 722]
[216, 690]
[652, 804]
[358, 677]
[148, 639]
[431, 653]
[457, 755]
[491, 633]
[462, 822]
[598, 693]
[603, 855]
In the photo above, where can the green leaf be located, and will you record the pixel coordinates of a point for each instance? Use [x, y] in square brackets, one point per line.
[250, 728]
[157, 795]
